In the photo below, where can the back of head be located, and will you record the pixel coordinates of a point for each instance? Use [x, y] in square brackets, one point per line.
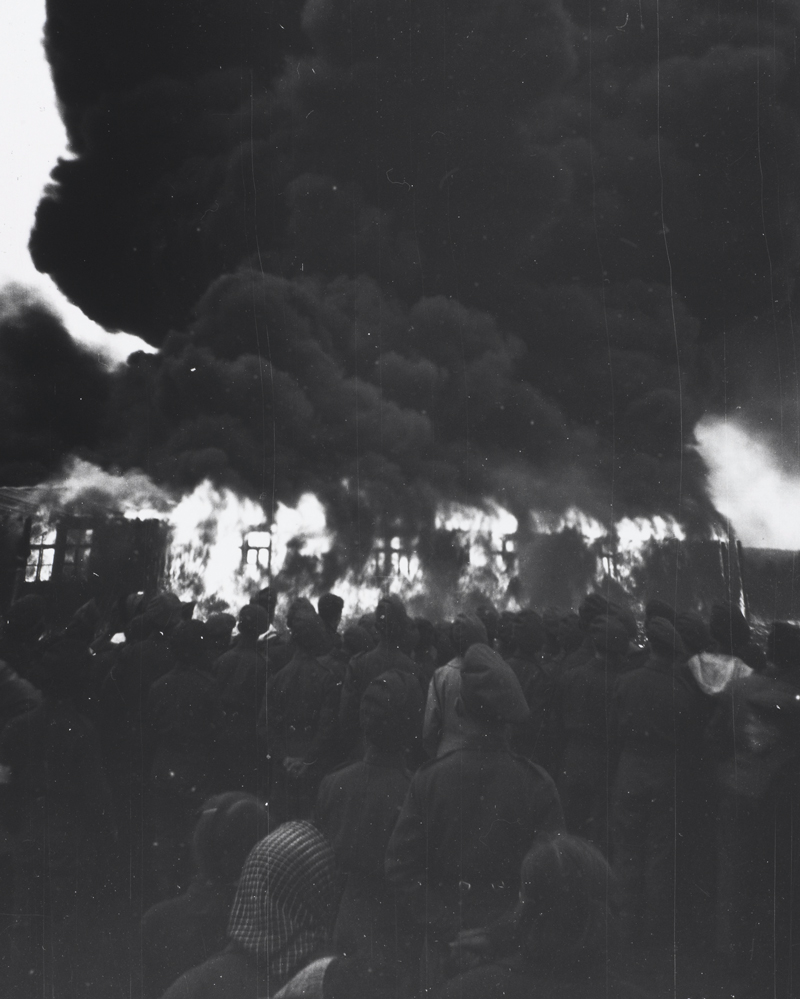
[609, 635]
[626, 616]
[592, 606]
[356, 640]
[466, 630]
[729, 627]
[367, 622]
[307, 629]
[391, 620]
[219, 628]
[664, 639]
[391, 711]
[694, 632]
[187, 642]
[490, 691]
[491, 620]
[253, 620]
[564, 917]
[329, 608]
[267, 599]
[229, 826]
[529, 633]
[570, 634]
[659, 608]
[165, 611]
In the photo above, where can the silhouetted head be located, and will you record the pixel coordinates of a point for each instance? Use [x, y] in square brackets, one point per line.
[564, 918]
[229, 827]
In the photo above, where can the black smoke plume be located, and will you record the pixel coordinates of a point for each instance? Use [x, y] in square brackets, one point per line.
[394, 252]
[52, 393]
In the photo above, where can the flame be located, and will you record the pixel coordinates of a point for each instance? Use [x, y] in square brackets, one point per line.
[749, 487]
[205, 561]
[223, 548]
[572, 520]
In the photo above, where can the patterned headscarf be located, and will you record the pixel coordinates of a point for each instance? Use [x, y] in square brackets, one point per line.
[286, 902]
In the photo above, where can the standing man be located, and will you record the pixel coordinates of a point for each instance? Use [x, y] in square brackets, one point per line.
[470, 817]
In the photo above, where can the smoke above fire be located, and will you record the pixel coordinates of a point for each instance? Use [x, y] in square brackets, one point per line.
[397, 256]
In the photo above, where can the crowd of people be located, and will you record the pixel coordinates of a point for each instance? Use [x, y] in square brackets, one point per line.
[568, 803]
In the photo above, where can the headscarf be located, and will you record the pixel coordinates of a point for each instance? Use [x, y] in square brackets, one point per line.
[286, 901]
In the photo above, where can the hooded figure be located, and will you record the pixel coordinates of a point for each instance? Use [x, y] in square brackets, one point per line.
[657, 723]
[280, 923]
[443, 728]
[470, 815]
[357, 808]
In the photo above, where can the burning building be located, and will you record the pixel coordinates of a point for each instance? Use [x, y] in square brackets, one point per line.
[383, 289]
[91, 534]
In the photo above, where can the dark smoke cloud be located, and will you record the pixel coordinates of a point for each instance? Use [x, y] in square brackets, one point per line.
[52, 394]
[412, 251]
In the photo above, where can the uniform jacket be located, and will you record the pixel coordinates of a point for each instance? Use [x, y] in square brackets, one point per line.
[302, 711]
[468, 820]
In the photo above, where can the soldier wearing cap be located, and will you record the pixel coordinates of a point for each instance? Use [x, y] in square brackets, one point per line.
[471, 814]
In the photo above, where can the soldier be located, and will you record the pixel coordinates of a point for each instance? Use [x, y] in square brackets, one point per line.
[470, 816]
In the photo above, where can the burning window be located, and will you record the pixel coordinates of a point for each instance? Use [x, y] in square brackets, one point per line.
[77, 549]
[395, 557]
[257, 549]
[42, 554]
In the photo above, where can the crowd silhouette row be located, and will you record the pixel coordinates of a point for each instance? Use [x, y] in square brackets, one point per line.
[572, 804]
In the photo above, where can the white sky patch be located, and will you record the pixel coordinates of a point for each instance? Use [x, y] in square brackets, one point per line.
[33, 139]
[749, 487]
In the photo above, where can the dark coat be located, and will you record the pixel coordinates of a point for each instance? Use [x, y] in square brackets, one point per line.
[182, 706]
[230, 973]
[302, 711]
[123, 702]
[182, 932]
[17, 696]
[469, 819]
[61, 805]
[658, 717]
[241, 677]
[357, 809]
